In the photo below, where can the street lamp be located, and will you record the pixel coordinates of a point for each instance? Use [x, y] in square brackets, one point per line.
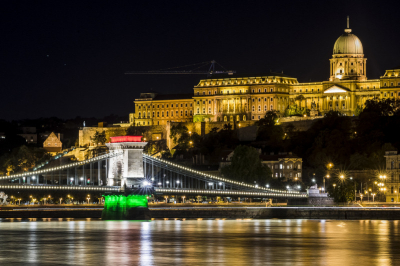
[334, 186]
[88, 198]
[327, 176]
[373, 197]
[267, 185]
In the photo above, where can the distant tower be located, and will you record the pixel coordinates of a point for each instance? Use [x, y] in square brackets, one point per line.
[348, 62]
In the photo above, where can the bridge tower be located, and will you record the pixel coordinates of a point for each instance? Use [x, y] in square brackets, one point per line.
[126, 168]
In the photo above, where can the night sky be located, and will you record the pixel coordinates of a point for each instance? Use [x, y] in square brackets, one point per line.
[68, 58]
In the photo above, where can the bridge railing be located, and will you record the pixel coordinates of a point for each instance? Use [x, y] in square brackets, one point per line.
[230, 193]
[209, 177]
[62, 167]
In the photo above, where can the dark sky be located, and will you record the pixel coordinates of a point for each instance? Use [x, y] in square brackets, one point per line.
[68, 58]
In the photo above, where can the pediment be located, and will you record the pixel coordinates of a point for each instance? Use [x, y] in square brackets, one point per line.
[336, 89]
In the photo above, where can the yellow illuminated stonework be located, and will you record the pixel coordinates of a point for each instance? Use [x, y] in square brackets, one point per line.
[152, 109]
[235, 98]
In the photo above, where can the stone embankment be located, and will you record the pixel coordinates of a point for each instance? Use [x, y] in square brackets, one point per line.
[341, 213]
[351, 213]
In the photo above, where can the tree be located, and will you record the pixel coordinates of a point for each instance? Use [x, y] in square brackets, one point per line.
[227, 127]
[342, 192]
[270, 119]
[246, 166]
[385, 107]
[177, 131]
[268, 130]
[99, 138]
[300, 98]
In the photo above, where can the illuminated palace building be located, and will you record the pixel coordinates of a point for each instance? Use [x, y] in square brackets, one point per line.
[249, 97]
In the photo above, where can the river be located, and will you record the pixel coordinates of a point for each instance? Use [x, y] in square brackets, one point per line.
[199, 242]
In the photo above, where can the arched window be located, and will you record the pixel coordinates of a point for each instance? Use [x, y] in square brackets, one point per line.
[237, 118]
[225, 118]
[244, 118]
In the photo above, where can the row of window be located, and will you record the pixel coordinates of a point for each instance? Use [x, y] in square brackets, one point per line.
[231, 118]
[265, 108]
[247, 81]
[162, 114]
[265, 90]
[301, 90]
[341, 64]
[158, 122]
[162, 105]
[391, 94]
[290, 175]
[391, 84]
[318, 90]
[265, 99]
[281, 166]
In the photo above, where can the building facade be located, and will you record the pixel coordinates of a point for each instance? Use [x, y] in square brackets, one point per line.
[392, 179]
[53, 143]
[248, 97]
[152, 109]
[285, 165]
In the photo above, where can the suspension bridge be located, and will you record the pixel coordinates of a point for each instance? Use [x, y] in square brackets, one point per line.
[125, 166]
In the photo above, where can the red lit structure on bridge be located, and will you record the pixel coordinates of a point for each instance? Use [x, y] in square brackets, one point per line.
[126, 139]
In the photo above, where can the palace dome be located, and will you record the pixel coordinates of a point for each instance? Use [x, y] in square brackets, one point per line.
[348, 43]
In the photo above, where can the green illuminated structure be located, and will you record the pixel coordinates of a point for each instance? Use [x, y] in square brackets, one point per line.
[121, 207]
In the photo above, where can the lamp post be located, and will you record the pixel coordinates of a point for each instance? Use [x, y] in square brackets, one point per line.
[373, 197]
[88, 200]
[327, 176]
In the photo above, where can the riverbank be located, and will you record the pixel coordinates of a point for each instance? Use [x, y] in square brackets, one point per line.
[341, 213]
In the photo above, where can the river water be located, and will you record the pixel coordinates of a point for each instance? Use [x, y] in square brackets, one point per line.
[199, 242]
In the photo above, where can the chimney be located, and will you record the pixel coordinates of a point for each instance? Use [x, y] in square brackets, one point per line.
[59, 138]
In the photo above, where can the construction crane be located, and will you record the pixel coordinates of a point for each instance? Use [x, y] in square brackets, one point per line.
[211, 70]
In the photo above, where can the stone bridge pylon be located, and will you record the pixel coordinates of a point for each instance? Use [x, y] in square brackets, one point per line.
[126, 169]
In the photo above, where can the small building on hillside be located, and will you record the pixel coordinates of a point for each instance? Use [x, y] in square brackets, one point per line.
[53, 143]
[28, 133]
[285, 165]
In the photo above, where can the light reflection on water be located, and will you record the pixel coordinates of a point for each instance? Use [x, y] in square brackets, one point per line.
[199, 242]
